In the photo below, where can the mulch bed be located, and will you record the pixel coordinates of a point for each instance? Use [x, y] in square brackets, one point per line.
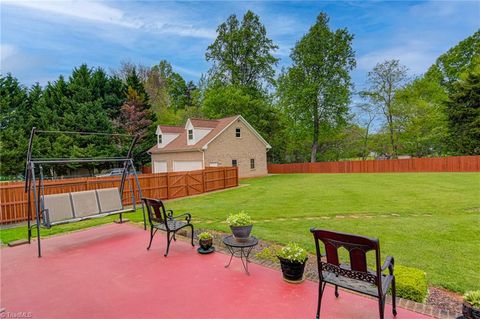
[445, 300]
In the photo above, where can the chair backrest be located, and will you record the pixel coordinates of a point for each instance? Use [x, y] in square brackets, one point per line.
[357, 246]
[109, 200]
[59, 208]
[156, 211]
[85, 203]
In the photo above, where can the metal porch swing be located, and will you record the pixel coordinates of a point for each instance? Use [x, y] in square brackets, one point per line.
[68, 207]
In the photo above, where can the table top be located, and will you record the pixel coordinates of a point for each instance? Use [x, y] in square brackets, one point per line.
[232, 242]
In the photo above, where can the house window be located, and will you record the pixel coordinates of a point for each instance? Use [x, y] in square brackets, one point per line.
[234, 163]
[159, 138]
[238, 132]
[252, 163]
[190, 134]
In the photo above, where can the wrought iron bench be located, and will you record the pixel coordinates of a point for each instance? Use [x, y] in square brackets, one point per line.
[353, 276]
[160, 218]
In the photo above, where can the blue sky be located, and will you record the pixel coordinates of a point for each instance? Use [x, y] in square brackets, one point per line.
[42, 39]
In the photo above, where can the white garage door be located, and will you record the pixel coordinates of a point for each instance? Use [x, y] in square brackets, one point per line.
[181, 166]
[159, 166]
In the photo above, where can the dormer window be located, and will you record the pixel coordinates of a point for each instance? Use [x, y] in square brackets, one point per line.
[190, 135]
[238, 132]
[159, 138]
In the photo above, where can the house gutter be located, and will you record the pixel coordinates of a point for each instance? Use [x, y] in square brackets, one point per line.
[178, 151]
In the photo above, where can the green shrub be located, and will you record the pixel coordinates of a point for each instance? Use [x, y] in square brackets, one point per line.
[473, 298]
[269, 253]
[205, 235]
[293, 252]
[240, 219]
[411, 283]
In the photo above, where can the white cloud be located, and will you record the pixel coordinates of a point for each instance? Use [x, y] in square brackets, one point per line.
[105, 14]
[181, 30]
[6, 52]
[77, 9]
[284, 49]
[442, 9]
[13, 60]
[187, 71]
[416, 55]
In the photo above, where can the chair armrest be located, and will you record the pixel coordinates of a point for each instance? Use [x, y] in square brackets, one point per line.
[188, 217]
[389, 263]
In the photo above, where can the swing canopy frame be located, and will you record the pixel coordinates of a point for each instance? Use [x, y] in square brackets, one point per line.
[68, 207]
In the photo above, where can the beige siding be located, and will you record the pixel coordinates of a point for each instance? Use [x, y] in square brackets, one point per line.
[177, 156]
[227, 147]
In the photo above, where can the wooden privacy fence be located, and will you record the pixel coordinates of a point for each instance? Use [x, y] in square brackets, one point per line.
[13, 199]
[434, 164]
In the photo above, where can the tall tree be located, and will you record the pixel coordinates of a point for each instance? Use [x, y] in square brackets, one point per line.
[221, 101]
[315, 90]
[242, 53]
[190, 94]
[137, 118]
[134, 116]
[463, 111]
[168, 88]
[14, 107]
[457, 60]
[365, 118]
[134, 82]
[420, 117]
[384, 80]
[84, 102]
[243, 67]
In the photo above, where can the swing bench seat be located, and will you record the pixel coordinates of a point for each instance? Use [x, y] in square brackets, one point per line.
[77, 206]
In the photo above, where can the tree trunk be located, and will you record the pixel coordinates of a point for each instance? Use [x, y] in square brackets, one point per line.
[365, 143]
[392, 136]
[313, 155]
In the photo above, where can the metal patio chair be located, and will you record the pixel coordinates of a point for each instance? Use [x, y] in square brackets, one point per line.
[353, 276]
[160, 218]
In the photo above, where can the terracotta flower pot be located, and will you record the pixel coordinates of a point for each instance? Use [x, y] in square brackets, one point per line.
[469, 312]
[292, 271]
[241, 233]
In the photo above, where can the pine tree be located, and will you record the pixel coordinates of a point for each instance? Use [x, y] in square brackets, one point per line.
[463, 112]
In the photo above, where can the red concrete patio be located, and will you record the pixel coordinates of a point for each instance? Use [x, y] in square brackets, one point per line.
[106, 272]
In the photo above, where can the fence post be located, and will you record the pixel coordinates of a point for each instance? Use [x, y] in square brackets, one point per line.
[236, 176]
[204, 180]
[168, 185]
[186, 183]
[224, 170]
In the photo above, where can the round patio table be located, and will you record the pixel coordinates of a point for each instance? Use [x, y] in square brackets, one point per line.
[240, 249]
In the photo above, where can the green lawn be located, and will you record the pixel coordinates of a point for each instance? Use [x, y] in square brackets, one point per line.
[426, 220]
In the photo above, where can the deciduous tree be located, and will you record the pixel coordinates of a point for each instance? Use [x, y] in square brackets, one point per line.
[420, 118]
[242, 53]
[315, 90]
[366, 116]
[384, 80]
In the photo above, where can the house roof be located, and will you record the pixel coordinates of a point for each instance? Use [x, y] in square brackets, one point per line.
[205, 123]
[171, 129]
[179, 144]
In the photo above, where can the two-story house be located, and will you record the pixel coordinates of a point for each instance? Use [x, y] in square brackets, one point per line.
[230, 141]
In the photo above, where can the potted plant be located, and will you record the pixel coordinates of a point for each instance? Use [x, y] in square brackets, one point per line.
[471, 305]
[205, 240]
[241, 225]
[292, 260]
